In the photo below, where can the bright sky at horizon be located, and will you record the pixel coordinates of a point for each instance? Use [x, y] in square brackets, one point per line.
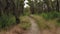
[25, 2]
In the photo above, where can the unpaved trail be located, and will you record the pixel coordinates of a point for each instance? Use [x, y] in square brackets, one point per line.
[34, 27]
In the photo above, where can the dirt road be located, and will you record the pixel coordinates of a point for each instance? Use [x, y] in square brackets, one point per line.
[34, 27]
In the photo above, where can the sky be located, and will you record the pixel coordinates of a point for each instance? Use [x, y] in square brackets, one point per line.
[25, 2]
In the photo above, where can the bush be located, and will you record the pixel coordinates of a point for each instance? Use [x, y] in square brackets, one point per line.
[58, 22]
[26, 11]
[24, 22]
[6, 21]
[51, 15]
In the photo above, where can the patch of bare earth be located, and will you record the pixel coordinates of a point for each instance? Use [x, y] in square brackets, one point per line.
[46, 31]
[34, 28]
[13, 30]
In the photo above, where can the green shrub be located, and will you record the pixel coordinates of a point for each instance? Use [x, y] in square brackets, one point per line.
[6, 21]
[51, 15]
[24, 22]
[58, 22]
[26, 11]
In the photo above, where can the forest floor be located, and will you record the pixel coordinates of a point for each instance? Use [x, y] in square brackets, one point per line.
[34, 29]
[13, 30]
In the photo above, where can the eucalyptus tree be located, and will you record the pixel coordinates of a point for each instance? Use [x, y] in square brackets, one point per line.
[32, 8]
[35, 6]
[39, 6]
[49, 4]
[54, 5]
[14, 7]
[0, 7]
[57, 5]
[18, 10]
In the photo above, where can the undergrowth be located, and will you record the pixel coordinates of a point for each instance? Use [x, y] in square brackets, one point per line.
[25, 22]
[50, 15]
[45, 24]
[6, 21]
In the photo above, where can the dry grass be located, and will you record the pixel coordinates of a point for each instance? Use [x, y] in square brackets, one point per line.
[43, 24]
[46, 26]
[19, 28]
[25, 22]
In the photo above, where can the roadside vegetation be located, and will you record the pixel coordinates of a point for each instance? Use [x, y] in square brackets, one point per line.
[47, 20]
[46, 13]
[25, 22]
[51, 15]
[6, 21]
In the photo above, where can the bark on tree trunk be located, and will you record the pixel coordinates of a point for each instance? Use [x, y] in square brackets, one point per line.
[17, 20]
[57, 6]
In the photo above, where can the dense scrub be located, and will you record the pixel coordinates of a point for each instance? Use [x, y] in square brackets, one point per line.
[6, 21]
[51, 15]
[25, 22]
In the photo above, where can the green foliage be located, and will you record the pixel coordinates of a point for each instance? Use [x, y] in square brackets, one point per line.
[58, 22]
[26, 11]
[25, 25]
[6, 21]
[51, 15]
[40, 21]
[25, 22]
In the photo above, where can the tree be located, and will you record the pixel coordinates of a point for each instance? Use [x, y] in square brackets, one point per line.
[14, 7]
[31, 4]
[57, 5]
[39, 6]
[49, 4]
[18, 9]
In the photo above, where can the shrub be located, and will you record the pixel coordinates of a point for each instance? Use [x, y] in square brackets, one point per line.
[26, 11]
[6, 21]
[58, 22]
[24, 22]
[51, 15]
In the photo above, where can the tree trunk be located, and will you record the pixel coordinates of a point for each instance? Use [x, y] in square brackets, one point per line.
[57, 6]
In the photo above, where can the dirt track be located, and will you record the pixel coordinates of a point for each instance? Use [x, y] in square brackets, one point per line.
[34, 27]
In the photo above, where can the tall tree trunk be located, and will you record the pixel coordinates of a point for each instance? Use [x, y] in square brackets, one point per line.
[48, 3]
[57, 5]
[18, 10]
